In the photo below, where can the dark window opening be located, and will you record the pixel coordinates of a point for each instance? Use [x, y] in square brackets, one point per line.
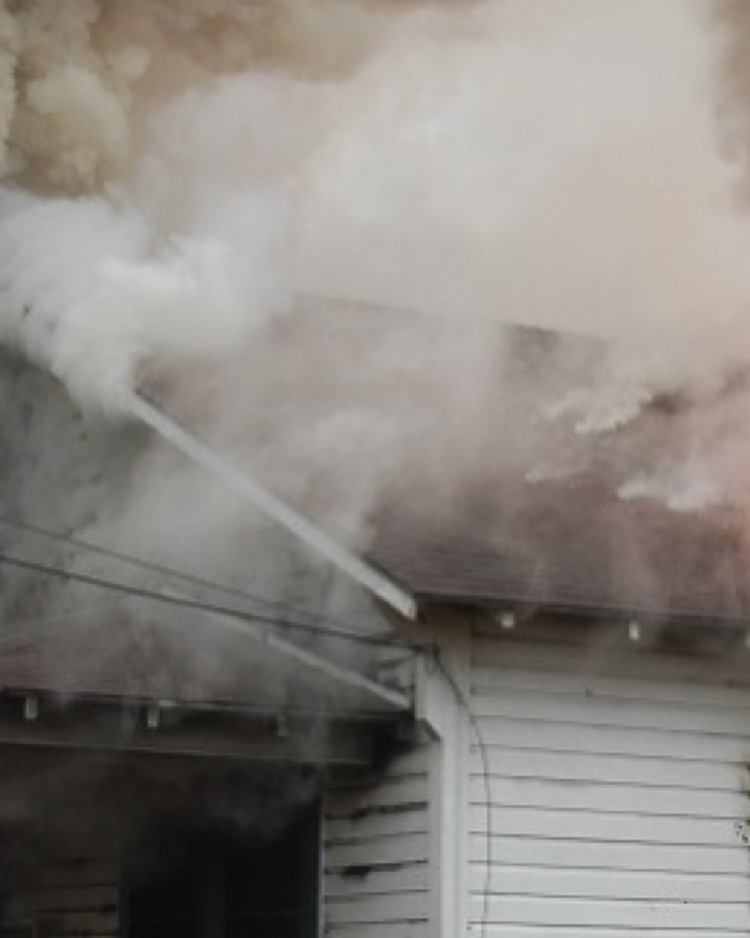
[223, 884]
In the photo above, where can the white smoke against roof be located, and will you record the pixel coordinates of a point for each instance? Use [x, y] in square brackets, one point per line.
[686, 487]
[548, 163]
[88, 294]
[517, 160]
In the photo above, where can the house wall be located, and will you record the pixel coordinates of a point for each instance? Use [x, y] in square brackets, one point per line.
[69, 899]
[100, 847]
[609, 794]
[570, 783]
[395, 849]
[377, 853]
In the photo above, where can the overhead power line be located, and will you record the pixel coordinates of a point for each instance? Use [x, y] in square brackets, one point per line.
[200, 605]
[150, 566]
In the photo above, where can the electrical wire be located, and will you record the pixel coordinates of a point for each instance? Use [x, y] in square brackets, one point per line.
[200, 605]
[465, 705]
[165, 570]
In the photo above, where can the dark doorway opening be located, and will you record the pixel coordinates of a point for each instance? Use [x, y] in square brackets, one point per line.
[220, 883]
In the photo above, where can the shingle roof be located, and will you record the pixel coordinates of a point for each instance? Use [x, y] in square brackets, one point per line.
[193, 664]
[574, 547]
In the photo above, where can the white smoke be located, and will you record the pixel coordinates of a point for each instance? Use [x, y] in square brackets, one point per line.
[687, 487]
[510, 160]
[88, 294]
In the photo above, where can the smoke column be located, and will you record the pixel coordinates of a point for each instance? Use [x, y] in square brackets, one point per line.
[176, 174]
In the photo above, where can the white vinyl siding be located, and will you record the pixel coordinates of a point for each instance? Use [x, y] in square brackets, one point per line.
[619, 800]
[376, 851]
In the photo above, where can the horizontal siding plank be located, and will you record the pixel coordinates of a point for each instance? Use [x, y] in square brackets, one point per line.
[605, 913]
[113, 933]
[410, 789]
[362, 910]
[606, 711]
[560, 736]
[374, 881]
[618, 799]
[639, 664]
[407, 848]
[391, 930]
[567, 825]
[101, 872]
[401, 837]
[413, 762]
[78, 923]
[411, 821]
[595, 931]
[595, 854]
[582, 767]
[78, 898]
[76, 932]
[489, 681]
[616, 884]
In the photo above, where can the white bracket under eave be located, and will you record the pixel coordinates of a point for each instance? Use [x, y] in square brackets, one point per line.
[246, 628]
[31, 707]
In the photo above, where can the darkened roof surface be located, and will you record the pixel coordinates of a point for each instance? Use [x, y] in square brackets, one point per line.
[576, 548]
[195, 664]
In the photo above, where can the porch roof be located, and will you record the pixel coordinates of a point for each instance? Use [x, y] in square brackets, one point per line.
[192, 662]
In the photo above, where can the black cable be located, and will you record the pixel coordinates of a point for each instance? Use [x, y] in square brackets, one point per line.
[465, 705]
[200, 605]
[165, 570]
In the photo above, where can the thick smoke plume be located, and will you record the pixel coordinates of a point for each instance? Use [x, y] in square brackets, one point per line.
[302, 227]
[179, 174]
